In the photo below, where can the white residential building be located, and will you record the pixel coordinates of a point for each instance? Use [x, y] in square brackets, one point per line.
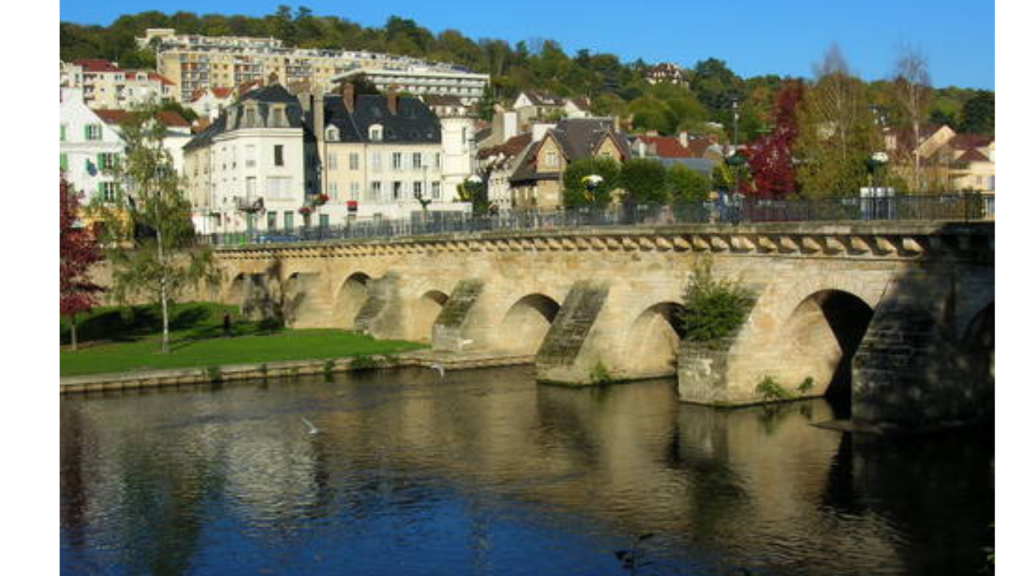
[209, 102]
[105, 85]
[88, 148]
[247, 170]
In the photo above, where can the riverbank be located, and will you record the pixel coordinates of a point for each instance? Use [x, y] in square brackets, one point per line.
[276, 371]
[115, 341]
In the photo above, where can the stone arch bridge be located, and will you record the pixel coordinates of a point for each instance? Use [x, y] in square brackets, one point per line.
[900, 315]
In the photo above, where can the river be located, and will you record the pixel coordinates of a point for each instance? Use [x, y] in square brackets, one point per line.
[485, 472]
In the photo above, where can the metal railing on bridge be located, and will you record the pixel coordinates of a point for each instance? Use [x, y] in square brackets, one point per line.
[951, 207]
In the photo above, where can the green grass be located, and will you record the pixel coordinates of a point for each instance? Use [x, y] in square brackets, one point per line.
[110, 341]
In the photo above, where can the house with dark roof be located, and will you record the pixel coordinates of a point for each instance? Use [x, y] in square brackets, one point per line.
[537, 181]
[533, 106]
[247, 170]
[497, 164]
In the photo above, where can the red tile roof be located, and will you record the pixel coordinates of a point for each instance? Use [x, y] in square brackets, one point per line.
[217, 93]
[667, 147]
[969, 141]
[97, 65]
[120, 116]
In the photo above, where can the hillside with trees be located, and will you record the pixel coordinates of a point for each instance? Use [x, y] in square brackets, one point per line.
[615, 87]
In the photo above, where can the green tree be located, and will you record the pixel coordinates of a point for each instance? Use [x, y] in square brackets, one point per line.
[686, 185]
[162, 260]
[575, 193]
[643, 179]
[837, 131]
[474, 191]
[979, 114]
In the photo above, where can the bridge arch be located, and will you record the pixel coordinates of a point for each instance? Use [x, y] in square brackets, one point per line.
[423, 312]
[350, 298]
[526, 322]
[821, 336]
[651, 345]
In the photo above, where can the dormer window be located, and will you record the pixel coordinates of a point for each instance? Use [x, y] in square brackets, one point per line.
[277, 117]
[376, 133]
[333, 134]
[249, 117]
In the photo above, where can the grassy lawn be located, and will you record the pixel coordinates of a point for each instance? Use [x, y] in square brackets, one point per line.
[119, 340]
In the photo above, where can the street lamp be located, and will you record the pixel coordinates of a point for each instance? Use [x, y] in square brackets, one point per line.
[736, 161]
[875, 164]
[590, 183]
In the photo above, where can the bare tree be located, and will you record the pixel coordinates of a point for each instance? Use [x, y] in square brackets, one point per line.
[837, 97]
[912, 87]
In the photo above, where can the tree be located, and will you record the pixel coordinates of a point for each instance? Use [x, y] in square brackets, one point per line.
[686, 185]
[474, 190]
[162, 259]
[575, 193]
[78, 251]
[837, 132]
[643, 179]
[771, 160]
[912, 88]
[979, 114]
[716, 86]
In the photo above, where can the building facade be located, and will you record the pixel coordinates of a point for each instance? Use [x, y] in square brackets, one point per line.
[88, 148]
[105, 85]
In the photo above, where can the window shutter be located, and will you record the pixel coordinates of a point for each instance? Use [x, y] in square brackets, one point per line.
[86, 134]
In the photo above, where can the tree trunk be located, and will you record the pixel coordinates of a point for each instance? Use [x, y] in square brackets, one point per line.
[165, 341]
[74, 333]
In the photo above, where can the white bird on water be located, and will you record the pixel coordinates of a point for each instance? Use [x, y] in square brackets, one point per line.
[439, 368]
[312, 429]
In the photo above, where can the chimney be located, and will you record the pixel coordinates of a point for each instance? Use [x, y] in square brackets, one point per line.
[318, 116]
[615, 123]
[392, 101]
[348, 95]
[684, 139]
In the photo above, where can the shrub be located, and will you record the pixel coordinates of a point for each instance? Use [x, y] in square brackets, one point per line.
[770, 390]
[806, 385]
[713, 309]
[599, 374]
[214, 374]
[364, 362]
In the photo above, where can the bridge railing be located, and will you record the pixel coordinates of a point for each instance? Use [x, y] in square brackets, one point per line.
[951, 207]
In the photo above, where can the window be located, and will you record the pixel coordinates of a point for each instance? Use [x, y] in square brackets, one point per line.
[277, 118]
[417, 160]
[325, 220]
[376, 133]
[106, 160]
[63, 132]
[463, 135]
[332, 191]
[550, 158]
[108, 191]
[250, 187]
[353, 191]
[376, 161]
[93, 132]
[271, 220]
[250, 155]
[332, 134]
[279, 155]
[374, 191]
[289, 221]
[396, 161]
[249, 117]
[332, 161]
[353, 161]
[279, 187]
[396, 190]
[991, 182]
[435, 190]
[417, 189]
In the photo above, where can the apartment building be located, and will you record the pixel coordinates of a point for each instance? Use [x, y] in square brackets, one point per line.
[379, 156]
[105, 85]
[197, 62]
[247, 169]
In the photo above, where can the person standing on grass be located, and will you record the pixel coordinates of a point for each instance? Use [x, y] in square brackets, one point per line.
[226, 323]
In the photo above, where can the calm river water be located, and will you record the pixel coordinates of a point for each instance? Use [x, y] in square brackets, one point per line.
[487, 473]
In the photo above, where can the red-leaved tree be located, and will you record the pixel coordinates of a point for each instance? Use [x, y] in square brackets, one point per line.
[771, 160]
[78, 251]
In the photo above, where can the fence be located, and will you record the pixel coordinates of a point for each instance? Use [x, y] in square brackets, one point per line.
[951, 207]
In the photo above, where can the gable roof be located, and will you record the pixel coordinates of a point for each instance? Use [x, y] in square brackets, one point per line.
[666, 147]
[972, 155]
[167, 118]
[580, 137]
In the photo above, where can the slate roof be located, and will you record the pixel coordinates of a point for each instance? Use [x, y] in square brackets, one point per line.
[264, 97]
[578, 138]
[412, 123]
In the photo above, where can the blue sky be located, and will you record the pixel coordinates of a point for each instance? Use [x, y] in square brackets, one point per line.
[754, 37]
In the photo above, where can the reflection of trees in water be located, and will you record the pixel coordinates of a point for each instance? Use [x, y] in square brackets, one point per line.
[73, 489]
